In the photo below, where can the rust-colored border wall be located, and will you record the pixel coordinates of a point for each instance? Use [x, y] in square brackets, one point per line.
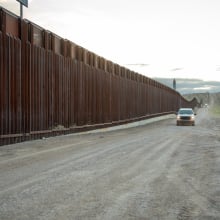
[51, 86]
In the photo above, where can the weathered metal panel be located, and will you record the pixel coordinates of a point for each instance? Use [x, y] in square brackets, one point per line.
[85, 56]
[71, 50]
[56, 43]
[10, 23]
[47, 40]
[79, 53]
[36, 35]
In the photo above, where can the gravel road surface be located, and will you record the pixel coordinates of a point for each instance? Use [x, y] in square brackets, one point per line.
[156, 171]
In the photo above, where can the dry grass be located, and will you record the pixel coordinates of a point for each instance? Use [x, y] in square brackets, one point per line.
[215, 110]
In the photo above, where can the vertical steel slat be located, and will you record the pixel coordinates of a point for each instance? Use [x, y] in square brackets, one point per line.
[100, 91]
[18, 110]
[46, 85]
[1, 84]
[64, 87]
[35, 89]
[11, 83]
[59, 89]
[43, 90]
[125, 98]
[80, 93]
[109, 80]
[87, 94]
[84, 90]
[100, 97]
[61, 95]
[67, 93]
[6, 86]
[38, 90]
[56, 89]
[113, 89]
[46, 92]
[27, 91]
[50, 89]
[97, 95]
[105, 99]
[103, 91]
[31, 88]
[72, 94]
[89, 74]
[121, 93]
[35, 84]
[32, 91]
[75, 89]
[106, 95]
[25, 80]
[123, 109]
[117, 98]
[94, 103]
[60, 92]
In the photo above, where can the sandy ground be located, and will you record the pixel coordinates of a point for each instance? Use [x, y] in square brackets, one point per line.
[156, 171]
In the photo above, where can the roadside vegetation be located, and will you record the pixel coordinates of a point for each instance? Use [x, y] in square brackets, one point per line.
[215, 110]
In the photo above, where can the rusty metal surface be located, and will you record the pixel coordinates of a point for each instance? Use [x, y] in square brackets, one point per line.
[51, 86]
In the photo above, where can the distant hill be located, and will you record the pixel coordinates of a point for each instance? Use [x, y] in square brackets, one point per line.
[212, 99]
[189, 86]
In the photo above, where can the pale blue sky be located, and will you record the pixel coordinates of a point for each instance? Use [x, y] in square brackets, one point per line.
[176, 38]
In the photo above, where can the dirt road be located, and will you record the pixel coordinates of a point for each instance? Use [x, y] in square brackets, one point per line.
[156, 171]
